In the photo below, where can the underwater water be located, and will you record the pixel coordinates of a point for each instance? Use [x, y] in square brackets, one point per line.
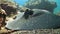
[46, 20]
[58, 6]
[21, 2]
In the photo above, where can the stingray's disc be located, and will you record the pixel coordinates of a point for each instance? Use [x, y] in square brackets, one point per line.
[44, 21]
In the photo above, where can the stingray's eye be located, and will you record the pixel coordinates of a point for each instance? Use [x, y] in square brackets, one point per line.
[30, 12]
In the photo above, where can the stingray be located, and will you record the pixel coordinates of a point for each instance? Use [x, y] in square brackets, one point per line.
[40, 19]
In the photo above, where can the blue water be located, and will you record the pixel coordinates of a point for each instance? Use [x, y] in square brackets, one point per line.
[57, 10]
[20, 2]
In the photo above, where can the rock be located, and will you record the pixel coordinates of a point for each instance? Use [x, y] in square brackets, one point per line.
[41, 4]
